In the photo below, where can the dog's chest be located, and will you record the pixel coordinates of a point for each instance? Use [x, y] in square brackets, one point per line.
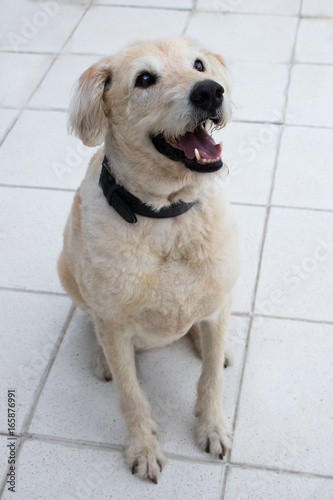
[161, 280]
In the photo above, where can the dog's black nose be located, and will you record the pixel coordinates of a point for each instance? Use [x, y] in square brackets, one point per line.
[207, 95]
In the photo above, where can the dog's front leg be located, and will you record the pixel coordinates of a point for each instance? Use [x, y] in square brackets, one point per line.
[212, 431]
[142, 452]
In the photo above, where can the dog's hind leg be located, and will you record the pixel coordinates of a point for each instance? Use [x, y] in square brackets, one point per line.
[142, 452]
[100, 366]
[195, 334]
[212, 431]
[69, 283]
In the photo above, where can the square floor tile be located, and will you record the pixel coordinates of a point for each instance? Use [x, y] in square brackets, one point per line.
[55, 90]
[249, 151]
[7, 117]
[119, 26]
[318, 8]
[280, 7]
[69, 472]
[258, 91]
[285, 413]
[20, 75]
[297, 265]
[240, 37]
[94, 405]
[171, 4]
[55, 158]
[31, 227]
[304, 175]
[28, 345]
[30, 26]
[310, 96]
[251, 484]
[251, 225]
[315, 41]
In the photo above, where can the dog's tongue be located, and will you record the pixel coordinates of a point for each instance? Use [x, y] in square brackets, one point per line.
[203, 142]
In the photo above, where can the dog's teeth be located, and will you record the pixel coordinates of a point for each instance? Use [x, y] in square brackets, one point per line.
[197, 154]
[221, 145]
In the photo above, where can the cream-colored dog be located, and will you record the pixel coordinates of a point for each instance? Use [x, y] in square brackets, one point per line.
[150, 246]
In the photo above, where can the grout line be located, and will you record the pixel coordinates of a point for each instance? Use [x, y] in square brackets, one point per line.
[272, 122]
[81, 443]
[225, 479]
[38, 292]
[238, 314]
[312, 475]
[143, 7]
[8, 51]
[312, 209]
[44, 108]
[241, 314]
[41, 109]
[278, 146]
[286, 318]
[254, 14]
[247, 204]
[78, 443]
[189, 17]
[44, 188]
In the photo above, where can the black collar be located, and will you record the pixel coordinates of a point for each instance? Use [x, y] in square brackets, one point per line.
[128, 205]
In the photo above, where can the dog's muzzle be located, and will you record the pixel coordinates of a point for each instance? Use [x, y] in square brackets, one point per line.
[197, 148]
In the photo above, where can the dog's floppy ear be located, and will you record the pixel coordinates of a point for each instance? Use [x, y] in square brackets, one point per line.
[87, 111]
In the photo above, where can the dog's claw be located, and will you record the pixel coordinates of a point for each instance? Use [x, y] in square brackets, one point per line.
[221, 455]
[160, 465]
[154, 480]
[134, 467]
[207, 449]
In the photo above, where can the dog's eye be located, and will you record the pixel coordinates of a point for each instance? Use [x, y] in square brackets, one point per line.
[145, 80]
[198, 65]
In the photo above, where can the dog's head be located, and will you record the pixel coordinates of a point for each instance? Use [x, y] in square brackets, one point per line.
[156, 101]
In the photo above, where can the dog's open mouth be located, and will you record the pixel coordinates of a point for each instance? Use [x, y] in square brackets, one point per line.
[197, 149]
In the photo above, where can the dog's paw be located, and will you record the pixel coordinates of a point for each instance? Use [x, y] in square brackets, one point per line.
[145, 459]
[100, 366]
[213, 438]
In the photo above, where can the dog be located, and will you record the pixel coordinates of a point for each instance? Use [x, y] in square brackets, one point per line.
[150, 247]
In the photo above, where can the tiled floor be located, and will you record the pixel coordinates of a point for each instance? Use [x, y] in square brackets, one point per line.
[278, 393]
